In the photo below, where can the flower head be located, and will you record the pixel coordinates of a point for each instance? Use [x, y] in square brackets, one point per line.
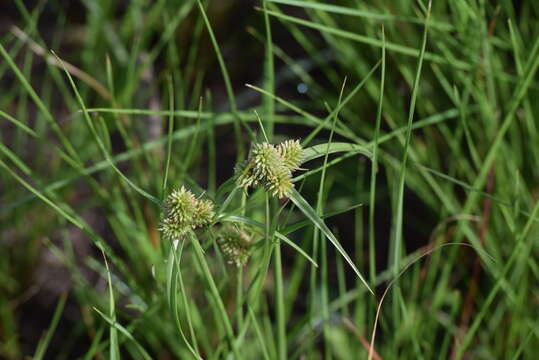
[271, 166]
[279, 181]
[292, 153]
[266, 159]
[184, 212]
[235, 245]
[203, 213]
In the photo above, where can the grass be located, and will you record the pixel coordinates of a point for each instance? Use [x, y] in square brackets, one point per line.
[410, 230]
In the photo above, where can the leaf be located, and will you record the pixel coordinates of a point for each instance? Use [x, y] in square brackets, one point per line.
[304, 206]
[125, 332]
[245, 220]
[113, 336]
[44, 342]
[300, 224]
[316, 151]
[360, 13]
[172, 283]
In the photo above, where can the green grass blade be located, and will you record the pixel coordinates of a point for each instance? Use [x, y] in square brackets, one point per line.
[277, 234]
[39, 103]
[401, 49]
[397, 241]
[374, 167]
[126, 333]
[317, 151]
[13, 157]
[228, 84]
[45, 341]
[170, 130]
[199, 254]
[41, 196]
[98, 140]
[259, 335]
[173, 266]
[268, 103]
[304, 206]
[336, 9]
[18, 123]
[301, 224]
[114, 348]
[323, 247]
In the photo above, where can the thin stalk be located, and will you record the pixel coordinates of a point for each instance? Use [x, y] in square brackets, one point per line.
[374, 168]
[199, 255]
[280, 307]
[323, 250]
[239, 274]
[397, 244]
[228, 85]
[170, 129]
[269, 74]
[239, 296]
[279, 290]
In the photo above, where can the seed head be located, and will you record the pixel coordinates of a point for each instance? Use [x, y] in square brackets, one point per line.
[271, 166]
[280, 181]
[235, 245]
[266, 159]
[184, 212]
[292, 154]
[204, 213]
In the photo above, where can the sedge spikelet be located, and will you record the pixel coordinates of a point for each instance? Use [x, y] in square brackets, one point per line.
[182, 212]
[270, 166]
[292, 154]
[235, 245]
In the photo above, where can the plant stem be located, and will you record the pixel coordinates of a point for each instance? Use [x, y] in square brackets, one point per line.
[280, 309]
[199, 254]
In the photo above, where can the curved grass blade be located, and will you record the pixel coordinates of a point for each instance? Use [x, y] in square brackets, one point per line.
[40, 105]
[343, 10]
[304, 206]
[42, 197]
[316, 151]
[221, 119]
[100, 142]
[113, 342]
[18, 123]
[125, 332]
[280, 236]
[397, 48]
[228, 84]
[301, 224]
[11, 155]
[172, 283]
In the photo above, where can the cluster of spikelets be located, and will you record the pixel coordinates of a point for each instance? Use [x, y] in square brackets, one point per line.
[235, 244]
[184, 212]
[271, 166]
[268, 165]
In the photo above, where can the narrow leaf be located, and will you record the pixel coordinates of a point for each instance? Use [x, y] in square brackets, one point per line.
[304, 206]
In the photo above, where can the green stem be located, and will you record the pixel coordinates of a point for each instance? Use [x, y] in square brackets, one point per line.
[374, 169]
[280, 309]
[199, 254]
[239, 296]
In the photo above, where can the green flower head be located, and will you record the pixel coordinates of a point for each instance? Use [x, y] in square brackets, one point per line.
[271, 166]
[292, 154]
[182, 212]
[235, 244]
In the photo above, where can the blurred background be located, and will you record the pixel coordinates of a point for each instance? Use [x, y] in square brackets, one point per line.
[472, 174]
